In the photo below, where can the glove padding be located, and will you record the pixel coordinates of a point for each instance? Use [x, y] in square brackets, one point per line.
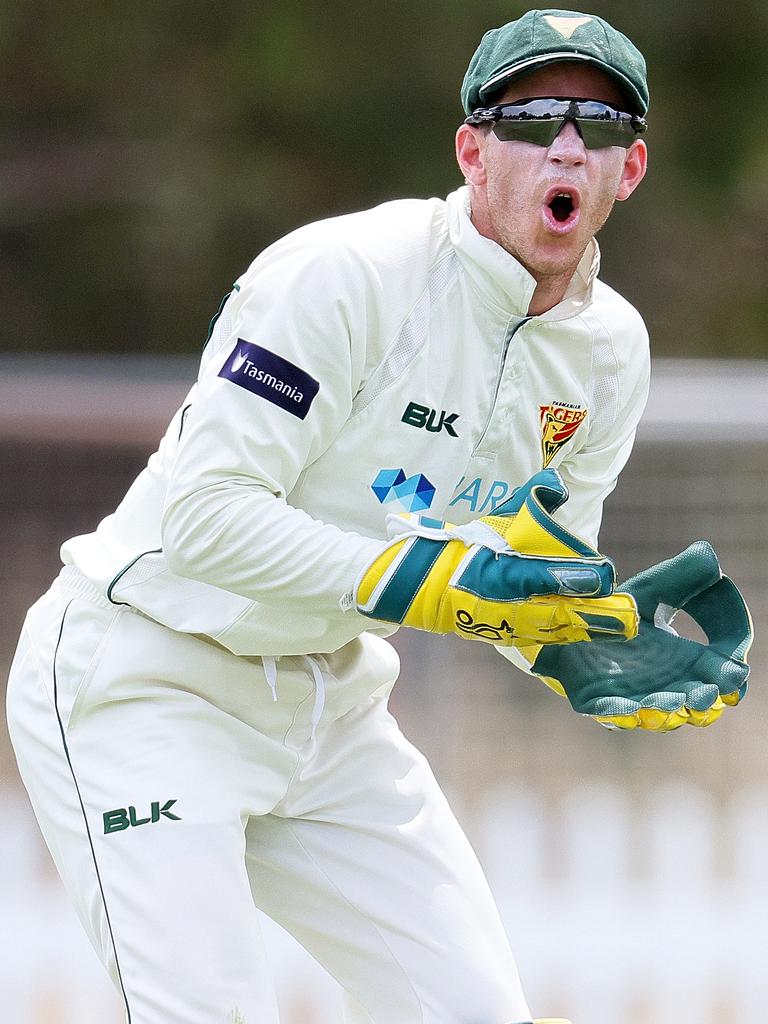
[660, 681]
[511, 578]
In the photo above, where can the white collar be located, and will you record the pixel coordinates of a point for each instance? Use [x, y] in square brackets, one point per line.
[502, 278]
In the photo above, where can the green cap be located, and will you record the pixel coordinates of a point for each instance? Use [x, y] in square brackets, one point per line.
[551, 37]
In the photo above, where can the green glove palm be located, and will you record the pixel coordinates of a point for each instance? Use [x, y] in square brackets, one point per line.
[659, 680]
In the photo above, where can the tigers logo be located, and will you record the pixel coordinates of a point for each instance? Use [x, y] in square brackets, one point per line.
[559, 422]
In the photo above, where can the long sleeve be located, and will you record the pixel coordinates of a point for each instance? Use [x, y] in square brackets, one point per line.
[276, 385]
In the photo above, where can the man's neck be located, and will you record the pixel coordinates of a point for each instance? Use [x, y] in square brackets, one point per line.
[549, 291]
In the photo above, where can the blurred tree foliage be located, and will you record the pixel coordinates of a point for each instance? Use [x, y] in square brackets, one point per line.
[150, 150]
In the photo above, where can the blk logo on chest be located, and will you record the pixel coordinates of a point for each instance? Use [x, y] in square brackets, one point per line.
[128, 817]
[430, 419]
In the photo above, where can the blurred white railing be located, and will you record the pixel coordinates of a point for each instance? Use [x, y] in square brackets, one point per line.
[118, 399]
[621, 911]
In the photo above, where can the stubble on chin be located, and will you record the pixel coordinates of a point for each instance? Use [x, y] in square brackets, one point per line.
[544, 255]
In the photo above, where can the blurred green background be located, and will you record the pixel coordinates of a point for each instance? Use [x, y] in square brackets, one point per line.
[149, 150]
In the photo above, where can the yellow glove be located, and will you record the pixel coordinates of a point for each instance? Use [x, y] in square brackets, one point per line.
[511, 578]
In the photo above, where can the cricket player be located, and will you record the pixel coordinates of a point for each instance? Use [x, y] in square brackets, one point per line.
[406, 416]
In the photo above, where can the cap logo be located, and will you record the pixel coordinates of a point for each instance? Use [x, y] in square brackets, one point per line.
[565, 26]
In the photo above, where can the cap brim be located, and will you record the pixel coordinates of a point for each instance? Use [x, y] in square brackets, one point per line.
[532, 64]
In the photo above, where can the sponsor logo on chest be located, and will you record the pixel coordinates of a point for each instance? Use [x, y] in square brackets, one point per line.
[559, 422]
[478, 495]
[430, 419]
[408, 493]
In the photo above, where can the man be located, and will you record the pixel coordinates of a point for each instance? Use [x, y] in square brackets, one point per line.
[199, 704]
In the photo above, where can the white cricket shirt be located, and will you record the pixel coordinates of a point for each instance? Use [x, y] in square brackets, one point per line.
[365, 364]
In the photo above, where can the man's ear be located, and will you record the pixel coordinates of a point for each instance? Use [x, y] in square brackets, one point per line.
[470, 150]
[635, 166]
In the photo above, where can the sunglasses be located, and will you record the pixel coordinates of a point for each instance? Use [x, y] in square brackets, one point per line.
[539, 121]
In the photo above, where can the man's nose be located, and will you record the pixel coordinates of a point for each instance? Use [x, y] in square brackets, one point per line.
[568, 146]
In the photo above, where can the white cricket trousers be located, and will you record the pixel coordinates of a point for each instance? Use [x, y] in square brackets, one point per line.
[176, 796]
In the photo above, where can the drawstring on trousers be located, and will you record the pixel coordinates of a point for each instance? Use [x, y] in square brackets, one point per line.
[270, 672]
[317, 675]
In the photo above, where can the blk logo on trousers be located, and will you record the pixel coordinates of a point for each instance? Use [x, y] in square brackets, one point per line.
[128, 817]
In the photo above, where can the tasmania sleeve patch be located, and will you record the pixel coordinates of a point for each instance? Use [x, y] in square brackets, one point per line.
[270, 376]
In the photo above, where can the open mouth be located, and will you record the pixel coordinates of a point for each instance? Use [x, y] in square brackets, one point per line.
[561, 209]
[561, 206]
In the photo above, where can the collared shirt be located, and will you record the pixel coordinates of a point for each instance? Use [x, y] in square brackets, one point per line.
[378, 362]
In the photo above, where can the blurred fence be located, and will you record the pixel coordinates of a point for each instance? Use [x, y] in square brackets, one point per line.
[642, 913]
[629, 869]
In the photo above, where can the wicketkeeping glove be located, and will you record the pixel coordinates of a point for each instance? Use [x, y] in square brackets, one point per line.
[512, 578]
[659, 680]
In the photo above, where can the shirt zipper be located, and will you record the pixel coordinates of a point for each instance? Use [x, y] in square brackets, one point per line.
[502, 363]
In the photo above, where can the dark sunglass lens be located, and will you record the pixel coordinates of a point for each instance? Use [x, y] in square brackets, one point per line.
[600, 134]
[538, 121]
[540, 133]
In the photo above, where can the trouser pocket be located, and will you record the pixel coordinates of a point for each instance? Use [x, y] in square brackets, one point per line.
[62, 642]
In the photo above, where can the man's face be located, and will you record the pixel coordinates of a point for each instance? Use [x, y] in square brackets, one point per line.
[516, 182]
